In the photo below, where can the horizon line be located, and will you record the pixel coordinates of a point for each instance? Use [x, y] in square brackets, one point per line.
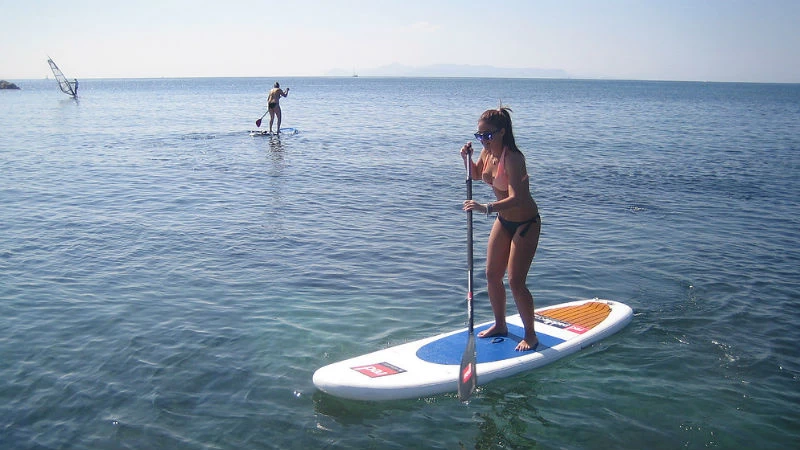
[455, 77]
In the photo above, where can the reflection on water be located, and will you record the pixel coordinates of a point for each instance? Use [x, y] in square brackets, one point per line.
[510, 418]
[276, 146]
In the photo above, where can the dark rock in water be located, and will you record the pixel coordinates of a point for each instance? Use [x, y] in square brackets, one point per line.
[6, 85]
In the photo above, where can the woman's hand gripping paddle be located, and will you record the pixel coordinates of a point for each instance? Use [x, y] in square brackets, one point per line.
[467, 376]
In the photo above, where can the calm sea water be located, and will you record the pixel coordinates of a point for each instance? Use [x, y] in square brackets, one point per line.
[168, 281]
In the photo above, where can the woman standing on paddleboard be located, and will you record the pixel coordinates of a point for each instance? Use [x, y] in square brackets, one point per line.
[515, 233]
[274, 104]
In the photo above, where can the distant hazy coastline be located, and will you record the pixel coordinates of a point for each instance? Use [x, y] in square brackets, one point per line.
[451, 70]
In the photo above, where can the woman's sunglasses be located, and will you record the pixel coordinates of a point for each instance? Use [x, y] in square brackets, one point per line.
[485, 136]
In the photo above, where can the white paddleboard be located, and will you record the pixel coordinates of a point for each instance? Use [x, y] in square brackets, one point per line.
[284, 131]
[430, 366]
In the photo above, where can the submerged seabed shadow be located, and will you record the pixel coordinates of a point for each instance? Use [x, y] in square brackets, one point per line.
[504, 413]
[350, 412]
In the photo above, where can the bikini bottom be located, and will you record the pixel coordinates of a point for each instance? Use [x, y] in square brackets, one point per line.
[512, 227]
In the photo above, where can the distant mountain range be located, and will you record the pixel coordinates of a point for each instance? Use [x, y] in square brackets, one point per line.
[452, 70]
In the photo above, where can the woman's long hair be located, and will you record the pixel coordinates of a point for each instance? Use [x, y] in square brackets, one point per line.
[501, 118]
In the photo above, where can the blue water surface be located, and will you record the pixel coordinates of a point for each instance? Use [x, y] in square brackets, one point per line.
[168, 281]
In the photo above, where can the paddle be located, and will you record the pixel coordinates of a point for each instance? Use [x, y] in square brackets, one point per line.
[258, 122]
[467, 376]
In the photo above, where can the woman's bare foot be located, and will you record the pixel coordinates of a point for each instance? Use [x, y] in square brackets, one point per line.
[493, 331]
[529, 343]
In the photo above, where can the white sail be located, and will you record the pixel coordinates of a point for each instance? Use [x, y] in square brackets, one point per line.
[67, 87]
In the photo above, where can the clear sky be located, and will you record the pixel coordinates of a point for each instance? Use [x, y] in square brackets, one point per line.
[707, 40]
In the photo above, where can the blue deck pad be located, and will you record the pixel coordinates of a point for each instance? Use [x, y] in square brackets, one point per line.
[449, 350]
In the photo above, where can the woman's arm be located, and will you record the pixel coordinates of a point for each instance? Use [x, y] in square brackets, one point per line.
[517, 182]
[475, 169]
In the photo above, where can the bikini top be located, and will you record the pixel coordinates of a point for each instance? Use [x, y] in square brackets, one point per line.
[500, 181]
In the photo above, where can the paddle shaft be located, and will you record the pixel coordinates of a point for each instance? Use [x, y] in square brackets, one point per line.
[469, 249]
[467, 376]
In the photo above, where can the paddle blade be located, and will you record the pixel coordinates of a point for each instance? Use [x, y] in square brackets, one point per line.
[258, 123]
[467, 374]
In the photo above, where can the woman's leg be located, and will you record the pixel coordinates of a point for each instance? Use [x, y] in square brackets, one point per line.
[523, 248]
[497, 251]
[272, 119]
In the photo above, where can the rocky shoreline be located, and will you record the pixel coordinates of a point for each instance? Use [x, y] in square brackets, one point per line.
[6, 85]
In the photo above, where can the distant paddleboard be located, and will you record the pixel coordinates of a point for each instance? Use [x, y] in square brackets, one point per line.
[284, 131]
[430, 366]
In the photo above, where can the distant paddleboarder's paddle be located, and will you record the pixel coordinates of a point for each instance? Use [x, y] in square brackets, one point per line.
[467, 376]
[258, 122]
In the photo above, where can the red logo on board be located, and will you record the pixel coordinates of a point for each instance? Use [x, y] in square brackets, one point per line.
[378, 370]
[577, 329]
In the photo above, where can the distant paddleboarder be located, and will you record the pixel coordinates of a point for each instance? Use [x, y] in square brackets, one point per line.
[274, 105]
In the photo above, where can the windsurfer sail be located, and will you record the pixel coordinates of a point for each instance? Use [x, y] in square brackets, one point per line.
[68, 87]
